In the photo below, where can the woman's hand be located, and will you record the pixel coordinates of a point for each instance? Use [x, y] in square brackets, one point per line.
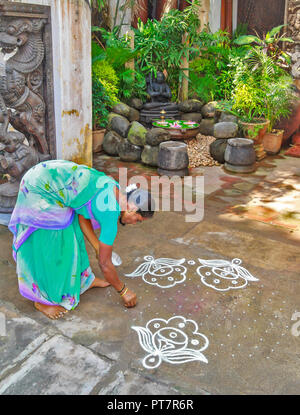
[129, 298]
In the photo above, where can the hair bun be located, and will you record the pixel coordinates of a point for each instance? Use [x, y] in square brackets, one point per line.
[131, 188]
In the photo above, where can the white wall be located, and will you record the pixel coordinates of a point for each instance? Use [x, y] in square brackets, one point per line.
[215, 15]
[234, 14]
[112, 4]
[71, 41]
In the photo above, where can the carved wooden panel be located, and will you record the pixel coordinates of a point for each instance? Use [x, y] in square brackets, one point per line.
[27, 86]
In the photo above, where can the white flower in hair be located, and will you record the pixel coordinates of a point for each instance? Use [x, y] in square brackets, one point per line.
[131, 187]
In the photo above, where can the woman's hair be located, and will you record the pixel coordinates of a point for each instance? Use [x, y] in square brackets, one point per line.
[142, 199]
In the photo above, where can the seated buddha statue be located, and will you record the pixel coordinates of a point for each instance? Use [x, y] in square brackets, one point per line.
[160, 94]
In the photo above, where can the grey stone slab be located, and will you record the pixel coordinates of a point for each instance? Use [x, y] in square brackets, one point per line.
[58, 367]
[129, 383]
[19, 337]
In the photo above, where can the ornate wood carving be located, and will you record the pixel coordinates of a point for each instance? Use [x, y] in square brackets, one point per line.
[26, 93]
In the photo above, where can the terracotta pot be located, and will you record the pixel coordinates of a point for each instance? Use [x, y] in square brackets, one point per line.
[183, 134]
[272, 141]
[98, 136]
[256, 131]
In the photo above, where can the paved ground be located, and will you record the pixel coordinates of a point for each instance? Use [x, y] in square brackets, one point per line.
[242, 337]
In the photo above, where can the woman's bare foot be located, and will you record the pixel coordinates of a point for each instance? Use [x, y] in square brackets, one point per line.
[51, 311]
[98, 282]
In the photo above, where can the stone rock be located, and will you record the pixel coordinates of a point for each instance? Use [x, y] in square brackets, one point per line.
[119, 124]
[225, 129]
[122, 109]
[134, 115]
[155, 136]
[173, 155]
[240, 169]
[172, 173]
[191, 105]
[240, 152]
[150, 155]
[217, 149]
[137, 134]
[128, 151]
[192, 116]
[209, 110]
[225, 117]
[207, 127]
[111, 115]
[110, 143]
[136, 103]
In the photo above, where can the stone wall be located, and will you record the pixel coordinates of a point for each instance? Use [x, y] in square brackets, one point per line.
[292, 19]
[293, 22]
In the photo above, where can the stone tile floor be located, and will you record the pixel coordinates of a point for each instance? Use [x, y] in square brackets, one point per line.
[251, 328]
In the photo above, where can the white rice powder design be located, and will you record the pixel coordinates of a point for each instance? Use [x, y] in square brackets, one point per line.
[222, 275]
[162, 272]
[173, 341]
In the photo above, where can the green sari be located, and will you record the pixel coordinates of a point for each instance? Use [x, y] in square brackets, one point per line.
[49, 248]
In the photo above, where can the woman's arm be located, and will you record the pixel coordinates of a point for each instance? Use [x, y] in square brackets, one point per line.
[88, 231]
[103, 253]
[110, 274]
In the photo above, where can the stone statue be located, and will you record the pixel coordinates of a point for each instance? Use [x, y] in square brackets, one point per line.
[158, 89]
[22, 77]
[160, 93]
[160, 105]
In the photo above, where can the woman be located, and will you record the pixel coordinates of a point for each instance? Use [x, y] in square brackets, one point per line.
[58, 202]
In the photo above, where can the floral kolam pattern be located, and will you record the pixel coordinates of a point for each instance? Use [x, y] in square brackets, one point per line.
[223, 275]
[174, 341]
[162, 272]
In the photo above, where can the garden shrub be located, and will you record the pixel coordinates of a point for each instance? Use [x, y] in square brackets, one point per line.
[211, 73]
[106, 74]
[101, 103]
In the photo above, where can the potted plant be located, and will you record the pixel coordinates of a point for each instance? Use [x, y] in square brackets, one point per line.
[261, 95]
[247, 104]
[271, 44]
[278, 106]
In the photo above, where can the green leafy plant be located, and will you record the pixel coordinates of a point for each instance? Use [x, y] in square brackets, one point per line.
[261, 89]
[159, 44]
[279, 98]
[99, 4]
[116, 52]
[100, 104]
[132, 85]
[270, 44]
[106, 74]
[211, 73]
